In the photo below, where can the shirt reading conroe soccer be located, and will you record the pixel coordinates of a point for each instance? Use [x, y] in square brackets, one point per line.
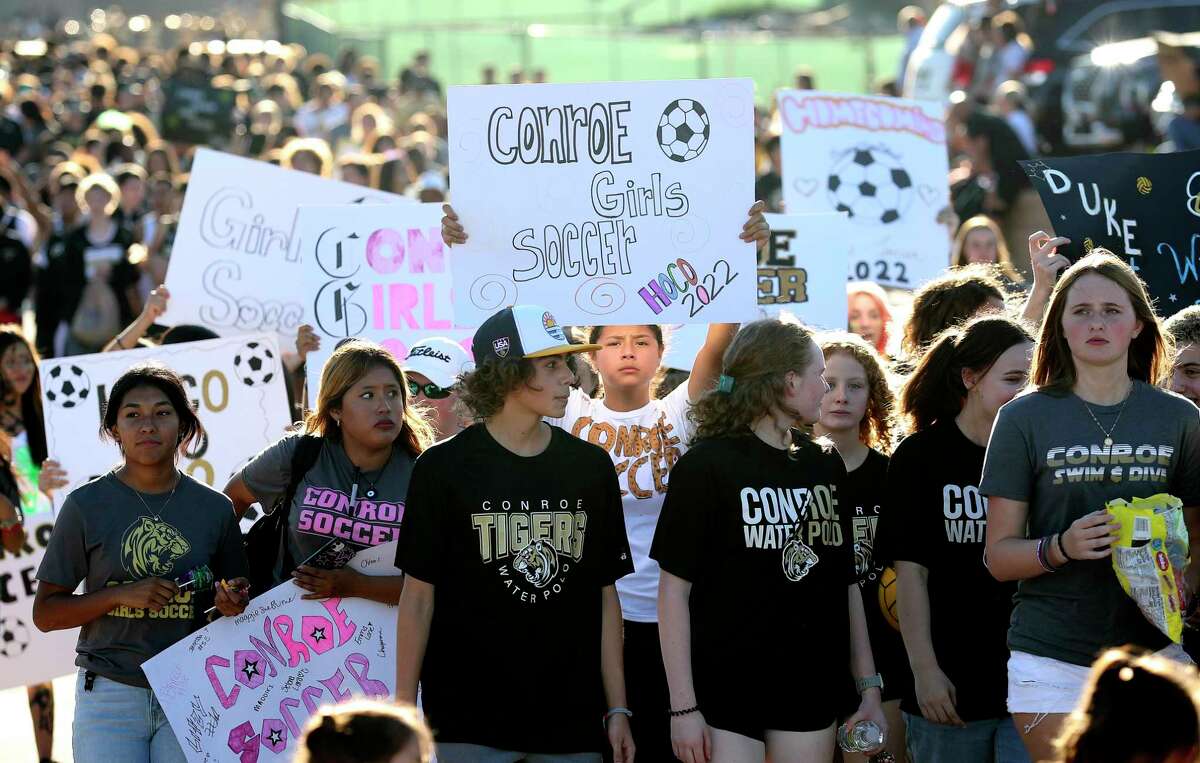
[321, 509]
[518, 550]
[936, 517]
[104, 536]
[763, 539]
[1047, 451]
[644, 444]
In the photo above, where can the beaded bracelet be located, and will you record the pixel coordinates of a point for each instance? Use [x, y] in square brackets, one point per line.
[687, 711]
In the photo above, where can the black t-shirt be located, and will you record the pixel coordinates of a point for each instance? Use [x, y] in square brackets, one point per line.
[78, 249]
[863, 494]
[936, 517]
[518, 550]
[761, 535]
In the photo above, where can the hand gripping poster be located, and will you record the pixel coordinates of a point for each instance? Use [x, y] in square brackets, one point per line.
[242, 689]
[606, 202]
[881, 161]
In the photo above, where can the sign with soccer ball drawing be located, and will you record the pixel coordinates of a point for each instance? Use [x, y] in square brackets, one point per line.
[235, 385]
[610, 202]
[880, 161]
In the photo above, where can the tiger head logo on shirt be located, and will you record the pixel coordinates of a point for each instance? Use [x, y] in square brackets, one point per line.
[538, 562]
[150, 547]
[798, 559]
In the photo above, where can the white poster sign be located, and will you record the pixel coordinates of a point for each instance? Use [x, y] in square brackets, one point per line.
[883, 162]
[236, 264]
[236, 387]
[607, 202]
[28, 656]
[243, 688]
[376, 272]
[802, 272]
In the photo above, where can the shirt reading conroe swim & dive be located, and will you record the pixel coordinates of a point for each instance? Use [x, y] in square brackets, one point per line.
[761, 535]
[105, 536]
[321, 509]
[518, 550]
[644, 444]
[1047, 451]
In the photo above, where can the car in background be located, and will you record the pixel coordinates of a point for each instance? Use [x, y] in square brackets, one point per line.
[1115, 97]
[1061, 30]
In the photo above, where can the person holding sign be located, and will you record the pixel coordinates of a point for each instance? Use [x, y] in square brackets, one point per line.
[752, 548]
[345, 478]
[512, 541]
[138, 538]
[953, 615]
[1095, 429]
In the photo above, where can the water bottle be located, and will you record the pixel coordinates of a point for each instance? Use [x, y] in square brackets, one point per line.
[866, 735]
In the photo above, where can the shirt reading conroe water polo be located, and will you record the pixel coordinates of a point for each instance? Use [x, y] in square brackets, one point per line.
[936, 517]
[1047, 451]
[763, 539]
[644, 444]
[518, 550]
[105, 537]
[321, 509]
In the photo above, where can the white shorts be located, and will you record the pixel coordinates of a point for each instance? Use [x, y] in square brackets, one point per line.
[1042, 685]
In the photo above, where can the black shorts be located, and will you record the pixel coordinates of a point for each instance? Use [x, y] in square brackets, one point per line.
[751, 706]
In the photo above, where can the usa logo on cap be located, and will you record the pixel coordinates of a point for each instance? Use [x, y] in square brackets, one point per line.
[501, 345]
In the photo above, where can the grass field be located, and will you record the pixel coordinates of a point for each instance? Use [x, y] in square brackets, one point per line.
[586, 40]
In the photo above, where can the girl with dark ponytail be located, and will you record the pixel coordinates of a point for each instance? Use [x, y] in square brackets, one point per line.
[953, 614]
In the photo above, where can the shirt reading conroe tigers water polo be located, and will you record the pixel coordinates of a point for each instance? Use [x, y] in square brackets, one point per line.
[936, 517]
[321, 509]
[518, 550]
[104, 536]
[644, 444]
[763, 539]
[1047, 451]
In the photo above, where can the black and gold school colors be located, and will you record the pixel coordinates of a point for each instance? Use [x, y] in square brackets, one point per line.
[104, 536]
[763, 537]
[518, 550]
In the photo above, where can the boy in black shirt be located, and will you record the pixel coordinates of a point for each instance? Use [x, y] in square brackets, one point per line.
[511, 542]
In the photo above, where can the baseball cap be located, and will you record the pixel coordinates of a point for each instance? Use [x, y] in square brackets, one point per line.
[438, 359]
[522, 331]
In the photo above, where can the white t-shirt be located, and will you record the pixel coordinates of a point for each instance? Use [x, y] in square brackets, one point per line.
[644, 444]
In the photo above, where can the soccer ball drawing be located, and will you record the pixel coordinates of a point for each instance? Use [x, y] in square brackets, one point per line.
[254, 364]
[869, 184]
[14, 637]
[67, 386]
[683, 130]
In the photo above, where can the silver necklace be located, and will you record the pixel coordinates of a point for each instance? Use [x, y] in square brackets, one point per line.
[157, 515]
[1108, 440]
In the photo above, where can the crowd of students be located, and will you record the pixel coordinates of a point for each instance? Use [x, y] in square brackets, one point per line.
[603, 558]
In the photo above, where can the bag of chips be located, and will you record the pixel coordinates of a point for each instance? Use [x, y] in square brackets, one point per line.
[1150, 557]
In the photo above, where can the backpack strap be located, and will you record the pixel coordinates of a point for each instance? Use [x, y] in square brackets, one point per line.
[304, 457]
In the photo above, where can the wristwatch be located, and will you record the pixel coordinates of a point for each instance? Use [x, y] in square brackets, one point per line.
[870, 682]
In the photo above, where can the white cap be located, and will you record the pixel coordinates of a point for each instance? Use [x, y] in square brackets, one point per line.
[438, 359]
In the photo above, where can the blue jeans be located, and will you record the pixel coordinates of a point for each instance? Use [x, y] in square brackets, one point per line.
[114, 721]
[979, 742]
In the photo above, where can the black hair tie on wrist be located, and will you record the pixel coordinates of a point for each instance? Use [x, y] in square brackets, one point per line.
[686, 711]
[1062, 549]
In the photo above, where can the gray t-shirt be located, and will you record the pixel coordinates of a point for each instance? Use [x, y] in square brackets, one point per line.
[104, 536]
[321, 509]
[1047, 451]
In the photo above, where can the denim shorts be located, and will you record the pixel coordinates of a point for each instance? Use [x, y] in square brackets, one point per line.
[991, 741]
[115, 721]
[457, 752]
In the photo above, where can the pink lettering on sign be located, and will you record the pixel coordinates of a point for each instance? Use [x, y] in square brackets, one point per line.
[876, 115]
[386, 251]
[400, 304]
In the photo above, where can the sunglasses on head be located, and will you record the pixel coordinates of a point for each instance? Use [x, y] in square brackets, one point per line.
[431, 391]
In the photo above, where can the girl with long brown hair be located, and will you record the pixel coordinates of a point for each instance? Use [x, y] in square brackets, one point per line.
[1096, 428]
[353, 488]
[752, 547]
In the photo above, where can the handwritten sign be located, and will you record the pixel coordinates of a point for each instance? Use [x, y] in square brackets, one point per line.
[28, 656]
[235, 384]
[242, 688]
[1145, 208]
[609, 202]
[235, 262]
[376, 272]
[802, 272]
[882, 161]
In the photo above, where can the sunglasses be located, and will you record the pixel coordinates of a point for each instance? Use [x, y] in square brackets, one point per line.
[431, 391]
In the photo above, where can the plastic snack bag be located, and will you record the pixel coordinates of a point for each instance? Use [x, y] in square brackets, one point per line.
[1150, 557]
